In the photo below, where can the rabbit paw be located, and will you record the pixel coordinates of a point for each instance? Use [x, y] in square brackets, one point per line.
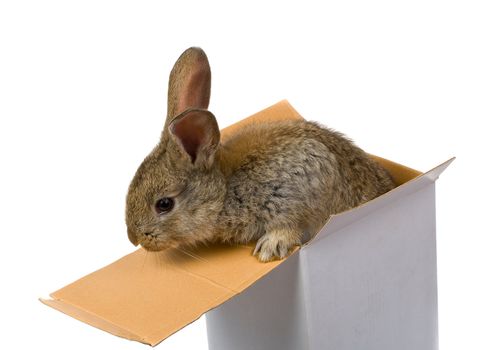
[275, 245]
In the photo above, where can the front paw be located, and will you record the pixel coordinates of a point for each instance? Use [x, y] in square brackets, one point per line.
[275, 245]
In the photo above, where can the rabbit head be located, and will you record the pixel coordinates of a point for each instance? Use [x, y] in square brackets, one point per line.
[178, 190]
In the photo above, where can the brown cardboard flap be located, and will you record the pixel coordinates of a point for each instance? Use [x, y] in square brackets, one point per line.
[148, 296]
[400, 173]
[280, 111]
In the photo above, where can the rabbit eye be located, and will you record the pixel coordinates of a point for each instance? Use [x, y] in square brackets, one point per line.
[164, 205]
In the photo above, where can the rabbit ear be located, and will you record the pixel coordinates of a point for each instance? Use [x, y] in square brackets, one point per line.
[189, 83]
[197, 132]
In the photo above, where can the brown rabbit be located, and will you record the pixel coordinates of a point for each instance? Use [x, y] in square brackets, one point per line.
[271, 182]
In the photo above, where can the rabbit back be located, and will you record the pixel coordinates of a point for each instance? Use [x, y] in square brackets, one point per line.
[293, 174]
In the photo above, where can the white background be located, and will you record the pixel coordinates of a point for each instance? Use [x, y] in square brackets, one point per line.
[83, 96]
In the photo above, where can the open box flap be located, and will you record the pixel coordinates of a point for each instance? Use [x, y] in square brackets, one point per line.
[148, 296]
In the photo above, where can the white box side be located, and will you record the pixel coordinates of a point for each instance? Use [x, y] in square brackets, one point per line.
[269, 315]
[372, 284]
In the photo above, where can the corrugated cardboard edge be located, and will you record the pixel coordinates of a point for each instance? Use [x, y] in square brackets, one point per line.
[114, 329]
[91, 319]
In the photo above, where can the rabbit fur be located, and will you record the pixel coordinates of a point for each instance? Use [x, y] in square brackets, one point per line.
[271, 182]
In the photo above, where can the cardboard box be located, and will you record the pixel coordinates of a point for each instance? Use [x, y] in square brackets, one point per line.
[366, 281]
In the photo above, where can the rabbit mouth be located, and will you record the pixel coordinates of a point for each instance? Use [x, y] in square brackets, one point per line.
[154, 246]
[154, 243]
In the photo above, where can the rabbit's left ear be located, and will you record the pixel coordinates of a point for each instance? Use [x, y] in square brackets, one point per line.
[197, 132]
[189, 83]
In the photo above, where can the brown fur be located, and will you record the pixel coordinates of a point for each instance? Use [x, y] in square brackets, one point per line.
[270, 182]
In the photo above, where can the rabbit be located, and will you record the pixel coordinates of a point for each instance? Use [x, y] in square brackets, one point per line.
[270, 182]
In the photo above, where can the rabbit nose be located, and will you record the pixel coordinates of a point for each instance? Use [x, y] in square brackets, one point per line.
[132, 237]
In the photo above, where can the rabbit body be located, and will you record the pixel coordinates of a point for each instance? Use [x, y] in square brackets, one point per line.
[271, 182]
[288, 177]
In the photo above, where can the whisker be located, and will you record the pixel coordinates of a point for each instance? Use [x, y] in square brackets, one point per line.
[158, 259]
[170, 261]
[193, 255]
[144, 261]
